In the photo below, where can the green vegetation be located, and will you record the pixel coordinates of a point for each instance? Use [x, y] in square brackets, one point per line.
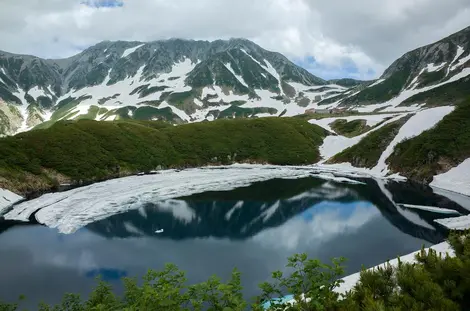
[351, 128]
[239, 112]
[436, 150]
[152, 113]
[447, 94]
[384, 91]
[93, 113]
[433, 283]
[367, 152]
[151, 90]
[88, 151]
[430, 78]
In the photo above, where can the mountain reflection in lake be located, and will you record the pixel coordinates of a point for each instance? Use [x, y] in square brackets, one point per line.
[254, 228]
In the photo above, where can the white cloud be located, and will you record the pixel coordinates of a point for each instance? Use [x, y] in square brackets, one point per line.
[368, 33]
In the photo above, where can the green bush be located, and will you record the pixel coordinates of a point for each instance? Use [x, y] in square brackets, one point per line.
[86, 150]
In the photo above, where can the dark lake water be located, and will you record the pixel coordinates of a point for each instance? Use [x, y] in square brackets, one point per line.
[254, 228]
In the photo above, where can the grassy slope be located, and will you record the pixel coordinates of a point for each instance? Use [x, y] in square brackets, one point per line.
[368, 151]
[350, 129]
[437, 149]
[451, 93]
[89, 150]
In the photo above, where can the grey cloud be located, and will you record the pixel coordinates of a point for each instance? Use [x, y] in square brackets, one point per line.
[370, 33]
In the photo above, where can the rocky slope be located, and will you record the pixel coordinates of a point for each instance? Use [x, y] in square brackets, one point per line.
[174, 80]
[435, 74]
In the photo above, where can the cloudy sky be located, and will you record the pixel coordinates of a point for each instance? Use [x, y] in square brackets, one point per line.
[331, 38]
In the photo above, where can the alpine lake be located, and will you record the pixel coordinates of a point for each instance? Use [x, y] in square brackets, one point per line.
[254, 228]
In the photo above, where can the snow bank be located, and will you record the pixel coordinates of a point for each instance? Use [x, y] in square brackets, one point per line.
[7, 199]
[457, 179]
[351, 280]
[420, 122]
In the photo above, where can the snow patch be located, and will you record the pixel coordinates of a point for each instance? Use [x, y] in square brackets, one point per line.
[433, 67]
[460, 51]
[420, 122]
[391, 105]
[239, 78]
[377, 82]
[35, 92]
[335, 144]
[461, 61]
[131, 50]
[180, 113]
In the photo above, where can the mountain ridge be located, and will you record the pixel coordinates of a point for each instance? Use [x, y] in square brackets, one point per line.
[206, 77]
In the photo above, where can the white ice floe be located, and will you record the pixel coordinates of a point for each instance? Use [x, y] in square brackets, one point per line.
[128, 52]
[73, 209]
[351, 280]
[330, 176]
[434, 209]
[456, 179]
[458, 198]
[455, 223]
[420, 122]
[7, 199]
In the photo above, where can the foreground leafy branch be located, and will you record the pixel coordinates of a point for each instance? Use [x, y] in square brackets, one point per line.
[433, 283]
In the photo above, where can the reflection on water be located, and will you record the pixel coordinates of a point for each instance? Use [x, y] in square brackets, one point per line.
[254, 228]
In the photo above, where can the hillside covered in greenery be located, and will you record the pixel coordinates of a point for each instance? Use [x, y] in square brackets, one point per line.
[86, 151]
[433, 283]
[435, 151]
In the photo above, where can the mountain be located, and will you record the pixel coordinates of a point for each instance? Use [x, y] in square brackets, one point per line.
[173, 80]
[435, 74]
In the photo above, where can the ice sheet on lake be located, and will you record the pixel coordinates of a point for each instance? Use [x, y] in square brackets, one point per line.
[455, 223]
[71, 210]
[457, 179]
[431, 209]
[7, 199]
